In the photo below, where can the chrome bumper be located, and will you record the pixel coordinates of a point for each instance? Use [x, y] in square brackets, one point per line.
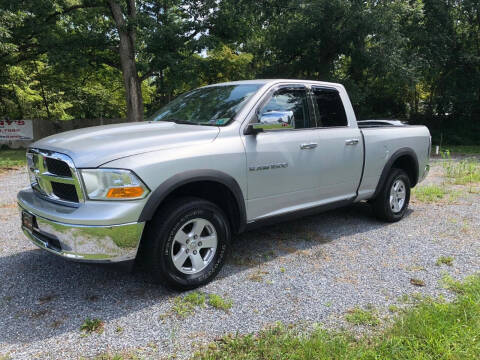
[87, 243]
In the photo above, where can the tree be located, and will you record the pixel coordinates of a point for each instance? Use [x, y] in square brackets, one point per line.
[140, 38]
[408, 59]
[126, 27]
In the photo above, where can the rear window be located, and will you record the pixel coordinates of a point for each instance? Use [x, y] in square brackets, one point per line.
[330, 107]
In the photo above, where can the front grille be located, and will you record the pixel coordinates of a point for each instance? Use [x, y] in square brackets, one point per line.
[58, 167]
[66, 192]
[54, 177]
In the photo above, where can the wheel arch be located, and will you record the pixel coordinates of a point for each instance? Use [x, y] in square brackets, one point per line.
[405, 159]
[214, 185]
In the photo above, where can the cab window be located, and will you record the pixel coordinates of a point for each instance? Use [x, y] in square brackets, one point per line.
[287, 108]
[331, 112]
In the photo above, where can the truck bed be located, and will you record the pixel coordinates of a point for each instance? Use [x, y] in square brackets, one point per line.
[381, 141]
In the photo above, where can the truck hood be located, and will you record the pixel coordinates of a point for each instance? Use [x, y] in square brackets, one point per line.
[94, 146]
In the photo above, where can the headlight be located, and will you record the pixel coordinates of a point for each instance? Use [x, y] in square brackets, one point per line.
[113, 184]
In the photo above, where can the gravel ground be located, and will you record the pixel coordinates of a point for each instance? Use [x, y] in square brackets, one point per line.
[308, 271]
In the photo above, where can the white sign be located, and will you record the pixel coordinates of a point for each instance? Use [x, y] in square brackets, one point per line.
[16, 130]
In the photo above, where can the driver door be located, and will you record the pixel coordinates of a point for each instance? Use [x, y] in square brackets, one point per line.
[282, 160]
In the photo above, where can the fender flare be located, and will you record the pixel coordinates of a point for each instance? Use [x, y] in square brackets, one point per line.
[388, 166]
[191, 176]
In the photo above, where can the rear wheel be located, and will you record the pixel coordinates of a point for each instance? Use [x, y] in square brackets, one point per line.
[392, 202]
[187, 243]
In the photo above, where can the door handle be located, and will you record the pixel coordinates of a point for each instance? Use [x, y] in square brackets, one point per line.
[308, 146]
[351, 142]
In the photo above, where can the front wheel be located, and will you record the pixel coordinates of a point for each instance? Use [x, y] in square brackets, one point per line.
[392, 202]
[187, 243]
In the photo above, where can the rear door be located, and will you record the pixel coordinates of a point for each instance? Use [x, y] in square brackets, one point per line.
[340, 147]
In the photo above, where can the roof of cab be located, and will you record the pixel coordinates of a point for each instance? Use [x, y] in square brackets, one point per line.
[272, 81]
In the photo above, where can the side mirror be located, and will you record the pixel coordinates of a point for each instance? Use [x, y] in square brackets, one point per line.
[271, 120]
[254, 129]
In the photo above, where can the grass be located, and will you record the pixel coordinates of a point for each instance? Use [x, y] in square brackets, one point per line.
[394, 308]
[12, 158]
[430, 330]
[219, 303]
[92, 325]
[451, 284]
[435, 193]
[445, 260]
[462, 172]
[459, 149]
[185, 306]
[359, 316]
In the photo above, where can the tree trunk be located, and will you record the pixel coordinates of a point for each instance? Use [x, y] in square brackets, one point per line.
[126, 31]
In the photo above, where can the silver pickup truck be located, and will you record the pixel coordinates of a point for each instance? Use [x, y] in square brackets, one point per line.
[214, 162]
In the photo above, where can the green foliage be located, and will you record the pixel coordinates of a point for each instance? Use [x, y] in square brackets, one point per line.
[195, 298]
[463, 172]
[417, 60]
[7, 18]
[78, 43]
[12, 158]
[445, 260]
[394, 308]
[219, 303]
[185, 306]
[359, 316]
[462, 150]
[35, 90]
[430, 330]
[435, 193]
[429, 193]
[217, 65]
[92, 325]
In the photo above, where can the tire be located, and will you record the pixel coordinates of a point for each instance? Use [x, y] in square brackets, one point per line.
[387, 208]
[179, 243]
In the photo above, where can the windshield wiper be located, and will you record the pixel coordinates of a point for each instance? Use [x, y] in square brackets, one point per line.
[178, 121]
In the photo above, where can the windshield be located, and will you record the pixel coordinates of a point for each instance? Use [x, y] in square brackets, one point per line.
[213, 105]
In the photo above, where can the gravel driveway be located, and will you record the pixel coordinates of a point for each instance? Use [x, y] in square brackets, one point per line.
[308, 271]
